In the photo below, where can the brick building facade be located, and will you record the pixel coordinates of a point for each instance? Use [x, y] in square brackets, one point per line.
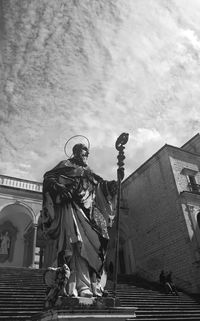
[163, 214]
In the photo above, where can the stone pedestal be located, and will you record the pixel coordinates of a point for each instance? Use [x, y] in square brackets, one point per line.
[114, 314]
[89, 309]
[89, 303]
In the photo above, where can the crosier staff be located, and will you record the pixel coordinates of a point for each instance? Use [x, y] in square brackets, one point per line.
[119, 145]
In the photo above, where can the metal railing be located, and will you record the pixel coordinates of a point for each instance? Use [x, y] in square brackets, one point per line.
[20, 183]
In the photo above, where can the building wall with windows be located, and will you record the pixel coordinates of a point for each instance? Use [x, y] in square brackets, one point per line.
[163, 198]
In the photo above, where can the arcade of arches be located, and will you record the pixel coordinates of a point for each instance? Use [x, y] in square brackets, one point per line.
[20, 205]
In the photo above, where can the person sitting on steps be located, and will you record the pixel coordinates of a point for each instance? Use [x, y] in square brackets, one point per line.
[170, 284]
[167, 283]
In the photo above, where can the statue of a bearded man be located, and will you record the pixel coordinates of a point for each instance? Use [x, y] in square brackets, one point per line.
[77, 205]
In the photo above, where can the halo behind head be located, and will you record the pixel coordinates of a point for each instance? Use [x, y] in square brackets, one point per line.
[75, 140]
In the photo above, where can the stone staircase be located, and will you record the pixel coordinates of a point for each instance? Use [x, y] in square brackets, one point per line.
[153, 304]
[22, 295]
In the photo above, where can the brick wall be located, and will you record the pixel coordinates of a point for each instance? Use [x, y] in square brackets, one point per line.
[160, 236]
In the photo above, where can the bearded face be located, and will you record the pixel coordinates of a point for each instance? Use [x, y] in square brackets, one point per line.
[80, 154]
[83, 156]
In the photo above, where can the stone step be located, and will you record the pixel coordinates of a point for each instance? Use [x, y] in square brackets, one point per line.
[22, 287]
[166, 313]
[166, 306]
[14, 301]
[97, 316]
[24, 309]
[18, 313]
[22, 294]
[163, 301]
[25, 286]
[22, 298]
[179, 318]
[27, 294]
[154, 297]
[151, 304]
[147, 309]
[21, 309]
[17, 317]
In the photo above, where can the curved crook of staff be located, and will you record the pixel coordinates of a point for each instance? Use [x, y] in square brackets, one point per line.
[119, 145]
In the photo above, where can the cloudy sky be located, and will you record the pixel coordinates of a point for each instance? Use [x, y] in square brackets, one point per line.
[96, 68]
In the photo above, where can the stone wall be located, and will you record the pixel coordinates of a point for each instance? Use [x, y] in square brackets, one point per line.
[159, 232]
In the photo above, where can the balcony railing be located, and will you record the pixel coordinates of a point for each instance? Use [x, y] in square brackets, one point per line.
[20, 183]
[195, 188]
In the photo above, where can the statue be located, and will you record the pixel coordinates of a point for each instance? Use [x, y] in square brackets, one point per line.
[56, 280]
[4, 243]
[77, 204]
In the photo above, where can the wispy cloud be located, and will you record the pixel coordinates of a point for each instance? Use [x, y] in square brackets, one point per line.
[96, 69]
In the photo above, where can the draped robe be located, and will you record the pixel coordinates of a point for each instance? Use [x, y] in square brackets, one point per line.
[77, 224]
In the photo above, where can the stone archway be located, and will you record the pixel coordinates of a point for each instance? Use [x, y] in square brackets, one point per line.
[22, 219]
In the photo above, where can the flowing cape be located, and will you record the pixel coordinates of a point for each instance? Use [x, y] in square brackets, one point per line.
[81, 220]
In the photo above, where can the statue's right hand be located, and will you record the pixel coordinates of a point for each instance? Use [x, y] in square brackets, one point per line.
[63, 191]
